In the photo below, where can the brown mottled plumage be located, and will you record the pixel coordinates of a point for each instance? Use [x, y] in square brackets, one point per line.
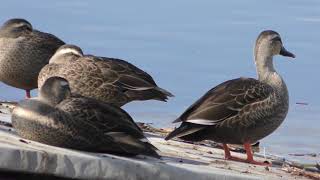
[59, 118]
[243, 110]
[23, 52]
[110, 80]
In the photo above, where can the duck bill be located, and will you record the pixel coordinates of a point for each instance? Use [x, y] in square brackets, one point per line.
[284, 52]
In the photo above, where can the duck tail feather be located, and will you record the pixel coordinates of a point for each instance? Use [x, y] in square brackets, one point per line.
[177, 120]
[183, 130]
[163, 91]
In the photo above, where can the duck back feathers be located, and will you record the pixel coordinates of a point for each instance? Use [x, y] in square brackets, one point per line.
[110, 80]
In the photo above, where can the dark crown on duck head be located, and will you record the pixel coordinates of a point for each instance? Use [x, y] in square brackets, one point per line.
[17, 24]
[55, 90]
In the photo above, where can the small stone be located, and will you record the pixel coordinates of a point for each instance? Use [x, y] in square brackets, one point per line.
[24, 141]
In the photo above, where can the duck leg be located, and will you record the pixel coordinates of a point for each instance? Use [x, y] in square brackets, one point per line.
[247, 147]
[227, 154]
[28, 95]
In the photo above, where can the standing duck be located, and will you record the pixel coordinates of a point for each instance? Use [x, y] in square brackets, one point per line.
[110, 80]
[23, 52]
[243, 110]
[59, 118]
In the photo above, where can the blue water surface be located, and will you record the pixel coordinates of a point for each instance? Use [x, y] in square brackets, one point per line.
[191, 46]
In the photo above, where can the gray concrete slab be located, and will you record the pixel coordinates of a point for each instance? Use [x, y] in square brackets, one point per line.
[180, 161]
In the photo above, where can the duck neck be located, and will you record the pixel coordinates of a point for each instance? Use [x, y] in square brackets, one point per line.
[267, 73]
[49, 100]
[53, 97]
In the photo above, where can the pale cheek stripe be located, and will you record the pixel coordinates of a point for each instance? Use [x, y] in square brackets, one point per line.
[64, 83]
[35, 117]
[68, 50]
[64, 51]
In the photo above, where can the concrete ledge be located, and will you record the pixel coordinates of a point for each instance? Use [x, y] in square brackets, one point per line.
[28, 156]
[180, 161]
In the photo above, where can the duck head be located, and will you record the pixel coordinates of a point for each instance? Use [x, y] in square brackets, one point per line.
[269, 43]
[15, 28]
[54, 90]
[65, 53]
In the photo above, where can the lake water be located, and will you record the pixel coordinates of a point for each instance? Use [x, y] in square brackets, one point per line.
[191, 46]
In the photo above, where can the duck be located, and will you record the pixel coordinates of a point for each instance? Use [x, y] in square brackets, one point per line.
[60, 118]
[242, 110]
[107, 79]
[23, 52]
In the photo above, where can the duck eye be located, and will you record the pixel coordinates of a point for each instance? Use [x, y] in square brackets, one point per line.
[277, 38]
[25, 26]
[64, 83]
[28, 27]
[22, 26]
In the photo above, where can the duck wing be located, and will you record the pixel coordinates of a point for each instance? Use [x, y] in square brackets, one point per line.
[220, 103]
[226, 100]
[137, 84]
[124, 67]
[110, 129]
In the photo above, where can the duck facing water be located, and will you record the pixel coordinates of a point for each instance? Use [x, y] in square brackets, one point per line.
[243, 110]
[59, 118]
[23, 52]
[110, 80]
